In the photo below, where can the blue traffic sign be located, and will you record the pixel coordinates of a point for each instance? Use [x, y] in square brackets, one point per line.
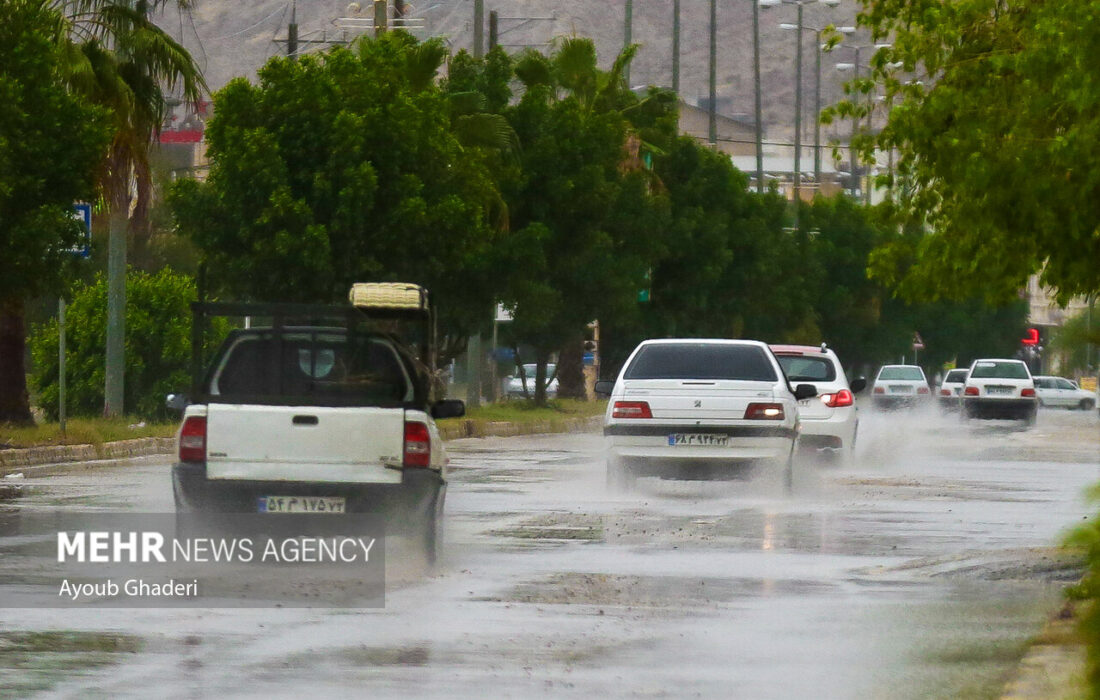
[83, 214]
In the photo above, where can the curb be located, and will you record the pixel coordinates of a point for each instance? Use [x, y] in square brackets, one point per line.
[57, 459]
[1054, 666]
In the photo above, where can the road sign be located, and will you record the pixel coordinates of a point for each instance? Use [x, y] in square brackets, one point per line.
[918, 344]
[83, 214]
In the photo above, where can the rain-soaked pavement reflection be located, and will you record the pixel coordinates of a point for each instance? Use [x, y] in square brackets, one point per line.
[918, 572]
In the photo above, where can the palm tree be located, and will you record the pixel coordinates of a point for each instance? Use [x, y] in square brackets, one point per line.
[118, 58]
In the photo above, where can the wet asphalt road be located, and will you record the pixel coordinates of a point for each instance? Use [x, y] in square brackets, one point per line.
[919, 572]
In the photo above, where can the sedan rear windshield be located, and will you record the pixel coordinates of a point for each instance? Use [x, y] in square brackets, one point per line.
[901, 373]
[999, 370]
[802, 368]
[702, 361]
[956, 376]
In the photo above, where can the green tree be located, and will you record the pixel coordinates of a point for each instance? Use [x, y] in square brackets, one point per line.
[50, 143]
[117, 57]
[586, 218]
[995, 112]
[343, 167]
[158, 350]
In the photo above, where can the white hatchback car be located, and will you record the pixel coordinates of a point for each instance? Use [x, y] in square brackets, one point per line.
[830, 421]
[999, 388]
[899, 385]
[950, 389]
[1058, 391]
[699, 408]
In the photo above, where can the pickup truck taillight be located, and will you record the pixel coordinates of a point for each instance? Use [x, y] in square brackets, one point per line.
[631, 409]
[193, 439]
[418, 446]
[764, 411]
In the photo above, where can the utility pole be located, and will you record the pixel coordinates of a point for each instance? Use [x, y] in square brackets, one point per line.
[115, 369]
[817, 113]
[676, 46]
[628, 31]
[292, 34]
[479, 28]
[398, 11]
[798, 120]
[757, 99]
[494, 29]
[713, 124]
[381, 17]
[854, 164]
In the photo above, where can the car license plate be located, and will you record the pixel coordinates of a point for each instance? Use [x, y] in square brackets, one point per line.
[697, 439]
[901, 389]
[300, 504]
[998, 390]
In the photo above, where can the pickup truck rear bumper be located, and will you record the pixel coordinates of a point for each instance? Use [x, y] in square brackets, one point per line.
[403, 504]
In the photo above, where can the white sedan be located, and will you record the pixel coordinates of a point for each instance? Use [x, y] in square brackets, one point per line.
[697, 408]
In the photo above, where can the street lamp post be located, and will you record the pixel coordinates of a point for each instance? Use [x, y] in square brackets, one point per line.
[797, 175]
[855, 68]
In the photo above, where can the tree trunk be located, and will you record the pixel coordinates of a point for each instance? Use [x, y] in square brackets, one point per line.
[114, 385]
[541, 357]
[571, 370]
[14, 403]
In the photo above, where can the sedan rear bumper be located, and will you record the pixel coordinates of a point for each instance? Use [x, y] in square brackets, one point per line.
[652, 443]
[1000, 408]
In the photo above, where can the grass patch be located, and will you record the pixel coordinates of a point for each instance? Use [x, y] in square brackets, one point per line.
[35, 661]
[522, 412]
[82, 431]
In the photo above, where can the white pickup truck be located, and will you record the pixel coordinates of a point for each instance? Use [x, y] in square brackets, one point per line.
[318, 409]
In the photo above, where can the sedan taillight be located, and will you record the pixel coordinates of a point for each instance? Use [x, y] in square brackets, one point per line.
[922, 390]
[764, 411]
[418, 446]
[945, 392]
[193, 439]
[840, 399]
[971, 391]
[880, 390]
[631, 409]
[1027, 392]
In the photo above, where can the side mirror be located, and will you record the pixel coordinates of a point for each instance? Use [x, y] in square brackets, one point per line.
[858, 384]
[805, 391]
[176, 402]
[604, 388]
[449, 408]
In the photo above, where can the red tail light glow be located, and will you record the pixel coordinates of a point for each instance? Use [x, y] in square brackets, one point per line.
[880, 390]
[193, 439]
[839, 399]
[945, 392]
[631, 409]
[764, 411]
[1027, 392]
[971, 391]
[418, 446]
[922, 390]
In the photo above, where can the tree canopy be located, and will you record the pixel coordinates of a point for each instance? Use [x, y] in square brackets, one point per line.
[994, 110]
[344, 167]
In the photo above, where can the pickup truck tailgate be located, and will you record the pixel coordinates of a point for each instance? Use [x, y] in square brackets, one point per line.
[304, 443]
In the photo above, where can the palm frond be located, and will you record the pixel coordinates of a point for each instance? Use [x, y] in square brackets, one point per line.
[487, 130]
[575, 68]
[534, 69]
[423, 62]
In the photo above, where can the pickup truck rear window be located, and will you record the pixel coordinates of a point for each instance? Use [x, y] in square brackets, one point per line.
[303, 365]
[702, 361]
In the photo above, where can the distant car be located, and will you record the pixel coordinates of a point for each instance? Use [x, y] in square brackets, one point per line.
[830, 421]
[999, 388]
[899, 385]
[695, 408]
[513, 384]
[950, 389]
[1061, 392]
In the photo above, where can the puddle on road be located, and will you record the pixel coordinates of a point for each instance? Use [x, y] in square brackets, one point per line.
[651, 591]
[1038, 564]
[932, 488]
[35, 661]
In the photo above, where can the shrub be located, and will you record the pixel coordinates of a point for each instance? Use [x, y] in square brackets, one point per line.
[158, 346]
